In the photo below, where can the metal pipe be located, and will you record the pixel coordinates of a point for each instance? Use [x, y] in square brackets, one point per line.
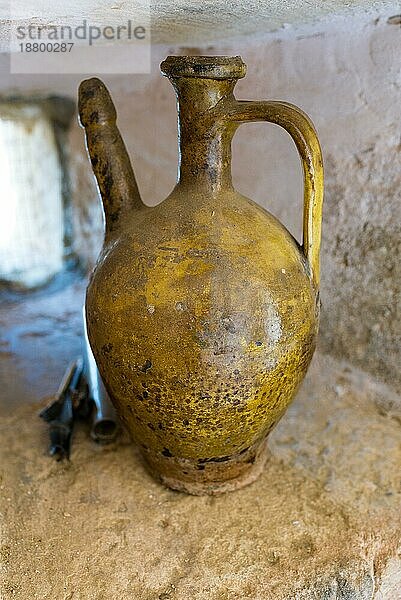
[104, 426]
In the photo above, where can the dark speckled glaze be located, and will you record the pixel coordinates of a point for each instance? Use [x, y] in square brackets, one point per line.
[203, 311]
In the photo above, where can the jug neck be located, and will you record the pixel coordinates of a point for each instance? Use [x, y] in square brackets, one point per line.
[204, 140]
[203, 85]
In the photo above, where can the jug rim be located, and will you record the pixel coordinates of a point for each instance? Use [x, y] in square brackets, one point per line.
[207, 67]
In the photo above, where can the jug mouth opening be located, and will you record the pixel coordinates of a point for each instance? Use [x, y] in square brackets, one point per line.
[207, 67]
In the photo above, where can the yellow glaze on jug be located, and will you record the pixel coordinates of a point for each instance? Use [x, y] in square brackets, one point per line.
[202, 312]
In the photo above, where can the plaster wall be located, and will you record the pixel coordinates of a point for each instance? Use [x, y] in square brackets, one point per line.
[346, 74]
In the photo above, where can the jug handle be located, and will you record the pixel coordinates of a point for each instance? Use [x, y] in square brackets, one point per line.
[303, 133]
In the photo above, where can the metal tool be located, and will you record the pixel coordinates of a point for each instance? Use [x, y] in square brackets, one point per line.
[60, 413]
[81, 395]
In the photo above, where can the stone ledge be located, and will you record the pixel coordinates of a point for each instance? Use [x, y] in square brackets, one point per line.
[187, 22]
[323, 521]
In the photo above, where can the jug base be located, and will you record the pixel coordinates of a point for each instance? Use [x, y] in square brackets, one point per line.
[207, 476]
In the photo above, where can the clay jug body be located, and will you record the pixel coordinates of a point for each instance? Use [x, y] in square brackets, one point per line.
[202, 312]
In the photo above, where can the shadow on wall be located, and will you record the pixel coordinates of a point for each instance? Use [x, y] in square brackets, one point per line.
[361, 261]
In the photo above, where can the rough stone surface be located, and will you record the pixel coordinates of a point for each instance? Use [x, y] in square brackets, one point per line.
[40, 333]
[322, 522]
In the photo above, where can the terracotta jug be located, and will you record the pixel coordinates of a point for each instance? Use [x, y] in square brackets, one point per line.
[202, 312]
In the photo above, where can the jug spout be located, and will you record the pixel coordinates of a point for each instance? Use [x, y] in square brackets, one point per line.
[108, 154]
